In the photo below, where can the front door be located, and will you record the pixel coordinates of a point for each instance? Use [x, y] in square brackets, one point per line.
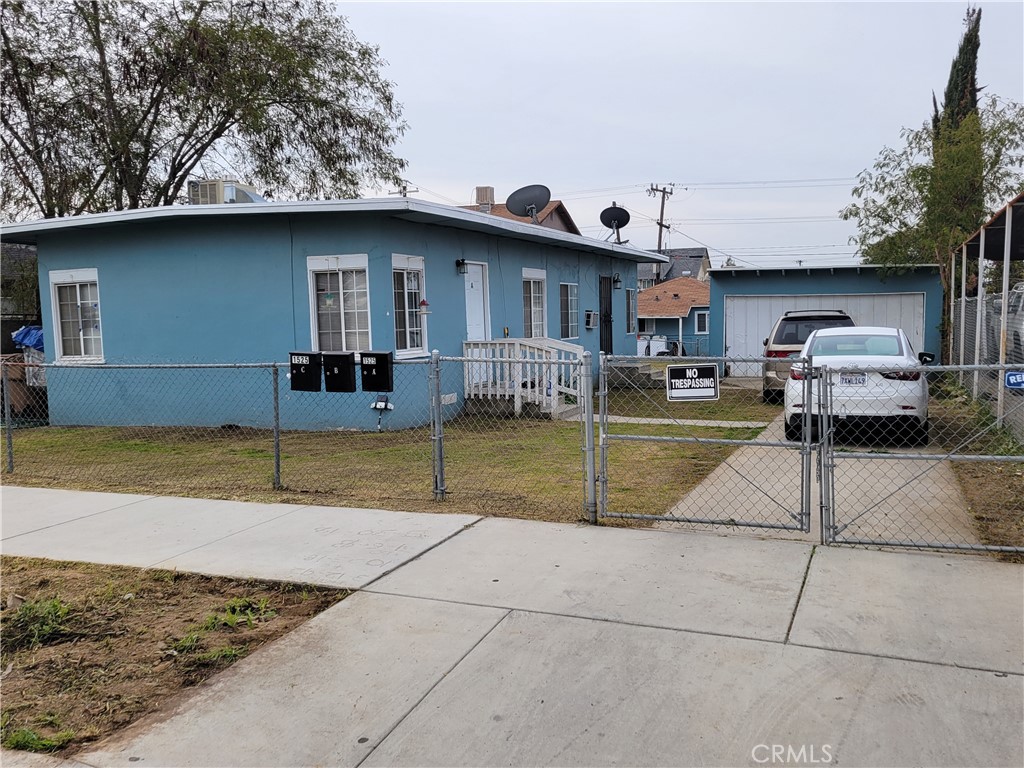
[606, 315]
[477, 327]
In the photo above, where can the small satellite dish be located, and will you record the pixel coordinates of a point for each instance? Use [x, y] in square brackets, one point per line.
[615, 218]
[528, 201]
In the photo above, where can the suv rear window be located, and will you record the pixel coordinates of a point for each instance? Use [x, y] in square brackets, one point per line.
[794, 331]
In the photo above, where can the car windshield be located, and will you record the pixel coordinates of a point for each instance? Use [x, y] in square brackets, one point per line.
[796, 331]
[856, 344]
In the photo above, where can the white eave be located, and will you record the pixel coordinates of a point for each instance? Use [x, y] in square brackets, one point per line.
[406, 208]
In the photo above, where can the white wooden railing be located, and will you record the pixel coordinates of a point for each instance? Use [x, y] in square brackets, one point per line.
[538, 371]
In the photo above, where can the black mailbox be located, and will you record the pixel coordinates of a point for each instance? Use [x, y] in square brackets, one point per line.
[305, 371]
[339, 372]
[377, 370]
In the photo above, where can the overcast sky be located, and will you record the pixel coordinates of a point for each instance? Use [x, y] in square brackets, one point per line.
[597, 101]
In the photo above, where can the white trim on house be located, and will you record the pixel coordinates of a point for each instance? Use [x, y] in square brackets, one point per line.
[317, 264]
[76, 277]
[405, 263]
[571, 297]
[532, 275]
[697, 314]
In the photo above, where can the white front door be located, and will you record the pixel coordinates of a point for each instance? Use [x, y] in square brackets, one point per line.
[478, 328]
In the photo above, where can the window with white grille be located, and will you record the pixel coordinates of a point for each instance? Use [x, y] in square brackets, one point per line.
[75, 295]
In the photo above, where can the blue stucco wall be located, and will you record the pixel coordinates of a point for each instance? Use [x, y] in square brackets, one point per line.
[235, 290]
[812, 281]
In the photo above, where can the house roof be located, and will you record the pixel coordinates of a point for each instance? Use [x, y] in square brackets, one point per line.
[683, 262]
[553, 209]
[673, 298]
[404, 208]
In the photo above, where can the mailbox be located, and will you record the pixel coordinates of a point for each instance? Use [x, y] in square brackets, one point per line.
[305, 371]
[377, 371]
[339, 371]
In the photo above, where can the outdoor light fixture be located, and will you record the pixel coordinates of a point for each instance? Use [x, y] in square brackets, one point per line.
[616, 281]
[460, 265]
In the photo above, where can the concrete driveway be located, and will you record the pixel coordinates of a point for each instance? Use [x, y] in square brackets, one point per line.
[875, 499]
[508, 642]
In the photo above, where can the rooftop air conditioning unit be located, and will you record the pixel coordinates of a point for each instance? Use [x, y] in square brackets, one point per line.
[218, 191]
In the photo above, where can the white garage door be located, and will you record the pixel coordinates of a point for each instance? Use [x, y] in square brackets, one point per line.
[748, 319]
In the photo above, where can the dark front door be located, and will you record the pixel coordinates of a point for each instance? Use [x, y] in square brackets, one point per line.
[606, 315]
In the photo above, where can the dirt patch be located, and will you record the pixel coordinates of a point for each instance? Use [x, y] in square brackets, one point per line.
[995, 498]
[88, 649]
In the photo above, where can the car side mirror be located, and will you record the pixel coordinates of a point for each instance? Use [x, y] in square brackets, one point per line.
[926, 358]
[765, 343]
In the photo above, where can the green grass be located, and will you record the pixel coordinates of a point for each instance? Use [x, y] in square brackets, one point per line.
[36, 623]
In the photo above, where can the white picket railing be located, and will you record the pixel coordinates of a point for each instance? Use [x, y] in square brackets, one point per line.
[536, 371]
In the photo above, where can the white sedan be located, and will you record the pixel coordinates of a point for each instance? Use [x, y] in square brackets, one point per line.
[876, 381]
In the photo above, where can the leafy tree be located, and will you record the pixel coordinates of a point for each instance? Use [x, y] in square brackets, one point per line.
[918, 203]
[114, 104]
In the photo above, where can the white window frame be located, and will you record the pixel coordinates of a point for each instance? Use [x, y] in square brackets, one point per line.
[646, 326]
[572, 310]
[403, 263]
[642, 284]
[697, 315]
[319, 264]
[631, 310]
[63, 277]
[536, 276]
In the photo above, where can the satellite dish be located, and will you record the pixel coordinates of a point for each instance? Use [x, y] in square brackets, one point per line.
[528, 201]
[615, 218]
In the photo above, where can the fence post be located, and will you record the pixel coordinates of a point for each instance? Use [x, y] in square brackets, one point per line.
[586, 394]
[277, 428]
[437, 426]
[806, 439]
[8, 437]
[602, 395]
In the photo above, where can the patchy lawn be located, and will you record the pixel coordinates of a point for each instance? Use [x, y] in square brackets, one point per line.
[87, 649]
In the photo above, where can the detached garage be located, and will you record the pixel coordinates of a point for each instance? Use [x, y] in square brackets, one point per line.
[745, 303]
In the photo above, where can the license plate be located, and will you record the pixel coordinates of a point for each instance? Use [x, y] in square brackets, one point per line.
[853, 379]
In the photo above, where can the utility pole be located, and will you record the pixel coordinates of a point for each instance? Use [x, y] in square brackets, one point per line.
[662, 226]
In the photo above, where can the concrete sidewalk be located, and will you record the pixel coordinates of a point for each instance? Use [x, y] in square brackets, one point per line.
[505, 642]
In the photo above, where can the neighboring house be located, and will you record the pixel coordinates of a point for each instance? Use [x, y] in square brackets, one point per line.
[683, 262]
[674, 317]
[19, 296]
[746, 302]
[554, 215]
[252, 283]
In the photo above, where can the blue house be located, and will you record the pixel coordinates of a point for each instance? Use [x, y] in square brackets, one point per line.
[674, 318]
[745, 302]
[250, 283]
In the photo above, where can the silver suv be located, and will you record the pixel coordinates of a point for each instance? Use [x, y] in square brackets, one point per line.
[787, 338]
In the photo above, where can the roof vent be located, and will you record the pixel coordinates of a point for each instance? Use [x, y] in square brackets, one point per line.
[675, 295]
[484, 198]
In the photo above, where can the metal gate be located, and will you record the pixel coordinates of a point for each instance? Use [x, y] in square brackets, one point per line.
[956, 484]
[715, 462]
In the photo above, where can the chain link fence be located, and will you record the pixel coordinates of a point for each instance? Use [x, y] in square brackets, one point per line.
[946, 474]
[439, 443]
[719, 462]
[517, 438]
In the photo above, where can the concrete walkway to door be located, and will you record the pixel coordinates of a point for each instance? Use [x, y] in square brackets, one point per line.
[480, 642]
[881, 499]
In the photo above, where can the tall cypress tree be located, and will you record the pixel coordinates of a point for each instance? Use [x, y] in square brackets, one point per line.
[961, 96]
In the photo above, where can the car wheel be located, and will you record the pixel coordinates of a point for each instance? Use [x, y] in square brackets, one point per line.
[920, 434]
[793, 430]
